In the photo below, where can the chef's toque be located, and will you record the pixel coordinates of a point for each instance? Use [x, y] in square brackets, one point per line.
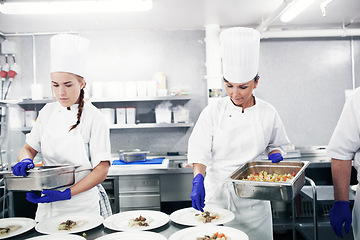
[240, 54]
[69, 54]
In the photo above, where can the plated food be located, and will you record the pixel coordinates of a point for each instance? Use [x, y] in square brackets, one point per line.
[209, 233]
[264, 176]
[139, 222]
[69, 223]
[206, 216]
[136, 220]
[215, 236]
[192, 217]
[10, 227]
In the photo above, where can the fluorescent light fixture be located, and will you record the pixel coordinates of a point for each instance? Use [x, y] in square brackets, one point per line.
[63, 7]
[295, 9]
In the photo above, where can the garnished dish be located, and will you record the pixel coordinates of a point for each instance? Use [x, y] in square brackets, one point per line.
[206, 216]
[139, 222]
[68, 225]
[8, 229]
[215, 236]
[263, 176]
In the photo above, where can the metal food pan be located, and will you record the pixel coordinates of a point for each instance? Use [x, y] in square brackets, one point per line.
[277, 191]
[132, 155]
[39, 178]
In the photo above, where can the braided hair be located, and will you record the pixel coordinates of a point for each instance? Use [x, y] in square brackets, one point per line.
[80, 109]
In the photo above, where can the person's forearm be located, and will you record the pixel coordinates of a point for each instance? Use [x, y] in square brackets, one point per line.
[97, 175]
[199, 168]
[341, 172]
[26, 152]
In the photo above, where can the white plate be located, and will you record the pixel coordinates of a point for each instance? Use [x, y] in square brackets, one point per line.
[187, 217]
[85, 221]
[120, 221]
[134, 235]
[192, 233]
[25, 224]
[57, 236]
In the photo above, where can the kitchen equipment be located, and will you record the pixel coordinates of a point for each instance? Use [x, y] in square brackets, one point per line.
[278, 191]
[39, 178]
[132, 155]
[130, 115]
[120, 116]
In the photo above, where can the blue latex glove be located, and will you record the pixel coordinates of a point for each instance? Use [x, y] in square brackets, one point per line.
[198, 193]
[20, 168]
[275, 157]
[49, 196]
[340, 213]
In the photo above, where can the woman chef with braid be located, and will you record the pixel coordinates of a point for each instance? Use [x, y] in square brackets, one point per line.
[69, 131]
[232, 131]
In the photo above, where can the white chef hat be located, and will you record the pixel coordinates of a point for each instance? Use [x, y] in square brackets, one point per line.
[69, 54]
[240, 54]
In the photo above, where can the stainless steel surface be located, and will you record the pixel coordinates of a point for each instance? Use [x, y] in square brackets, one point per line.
[132, 155]
[39, 178]
[139, 192]
[279, 191]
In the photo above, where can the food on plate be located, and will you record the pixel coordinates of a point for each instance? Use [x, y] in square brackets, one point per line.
[215, 236]
[4, 230]
[264, 176]
[139, 221]
[206, 216]
[8, 229]
[68, 225]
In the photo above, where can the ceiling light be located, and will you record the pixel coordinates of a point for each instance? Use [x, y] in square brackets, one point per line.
[61, 7]
[295, 9]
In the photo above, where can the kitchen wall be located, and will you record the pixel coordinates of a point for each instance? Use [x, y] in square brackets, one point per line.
[304, 79]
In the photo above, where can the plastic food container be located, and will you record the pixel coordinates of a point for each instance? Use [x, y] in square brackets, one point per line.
[39, 178]
[278, 191]
[132, 155]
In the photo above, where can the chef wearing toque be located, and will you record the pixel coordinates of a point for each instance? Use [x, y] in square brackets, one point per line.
[235, 130]
[69, 131]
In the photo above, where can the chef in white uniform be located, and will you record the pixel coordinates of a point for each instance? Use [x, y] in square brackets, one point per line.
[235, 130]
[344, 149]
[69, 131]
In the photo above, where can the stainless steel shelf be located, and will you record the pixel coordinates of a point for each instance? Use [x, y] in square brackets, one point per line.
[151, 125]
[133, 99]
[137, 126]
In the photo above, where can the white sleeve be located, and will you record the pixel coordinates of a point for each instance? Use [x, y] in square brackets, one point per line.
[278, 140]
[33, 139]
[345, 141]
[200, 141]
[99, 144]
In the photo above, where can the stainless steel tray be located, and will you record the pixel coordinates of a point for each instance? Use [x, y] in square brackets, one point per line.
[132, 155]
[39, 178]
[278, 191]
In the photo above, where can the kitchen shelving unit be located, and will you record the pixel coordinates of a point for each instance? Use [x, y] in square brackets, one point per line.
[28, 104]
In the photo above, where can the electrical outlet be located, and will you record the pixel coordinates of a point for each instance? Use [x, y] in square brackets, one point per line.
[8, 47]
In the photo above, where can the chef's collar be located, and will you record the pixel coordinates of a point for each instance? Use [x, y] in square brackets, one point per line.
[235, 108]
[72, 107]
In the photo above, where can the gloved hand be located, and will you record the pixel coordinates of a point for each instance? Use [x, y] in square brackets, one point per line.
[49, 196]
[20, 168]
[198, 193]
[340, 213]
[275, 157]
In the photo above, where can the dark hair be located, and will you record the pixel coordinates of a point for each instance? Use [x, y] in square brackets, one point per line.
[80, 109]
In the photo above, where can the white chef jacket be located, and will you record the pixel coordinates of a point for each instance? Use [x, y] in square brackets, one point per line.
[50, 130]
[201, 139]
[94, 129]
[345, 145]
[223, 139]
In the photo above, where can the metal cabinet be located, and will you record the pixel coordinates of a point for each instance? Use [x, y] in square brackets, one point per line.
[139, 192]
